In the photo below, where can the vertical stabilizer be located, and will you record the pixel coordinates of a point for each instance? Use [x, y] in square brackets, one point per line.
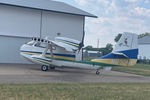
[128, 41]
[125, 51]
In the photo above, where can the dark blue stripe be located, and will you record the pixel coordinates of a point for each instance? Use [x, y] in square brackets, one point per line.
[41, 59]
[68, 41]
[132, 54]
[64, 55]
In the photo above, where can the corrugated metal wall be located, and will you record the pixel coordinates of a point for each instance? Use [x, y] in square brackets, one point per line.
[68, 25]
[9, 49]
[16, 21]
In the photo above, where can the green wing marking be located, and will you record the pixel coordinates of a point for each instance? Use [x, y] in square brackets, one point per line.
[96, 63]
[85, 62]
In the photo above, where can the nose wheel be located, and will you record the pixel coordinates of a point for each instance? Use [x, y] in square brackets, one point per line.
[44, 68]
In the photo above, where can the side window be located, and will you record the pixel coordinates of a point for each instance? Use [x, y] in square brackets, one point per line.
[37, 44]
[41, 45]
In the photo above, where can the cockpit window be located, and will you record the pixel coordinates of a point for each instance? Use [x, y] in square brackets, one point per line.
[39, 44]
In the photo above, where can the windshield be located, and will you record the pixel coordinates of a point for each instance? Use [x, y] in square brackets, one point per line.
[40, 44]
[31, 43]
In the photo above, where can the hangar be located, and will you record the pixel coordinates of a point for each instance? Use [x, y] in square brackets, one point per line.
[144, 47]
[20, 20]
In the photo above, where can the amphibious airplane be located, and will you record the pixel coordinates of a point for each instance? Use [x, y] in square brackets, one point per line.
[64, 52]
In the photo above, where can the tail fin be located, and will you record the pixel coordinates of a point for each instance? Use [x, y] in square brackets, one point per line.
[125, 52]
[128, 41]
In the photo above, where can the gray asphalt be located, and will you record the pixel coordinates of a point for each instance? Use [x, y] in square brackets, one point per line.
[21, 73]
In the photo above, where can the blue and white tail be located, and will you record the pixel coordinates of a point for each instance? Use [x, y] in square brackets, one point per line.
[125, 52]
[128, 41]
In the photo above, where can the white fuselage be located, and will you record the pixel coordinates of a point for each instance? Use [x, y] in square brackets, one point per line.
[61, 58]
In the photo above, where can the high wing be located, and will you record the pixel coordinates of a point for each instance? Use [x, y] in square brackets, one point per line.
[66, 43]
[63, 45]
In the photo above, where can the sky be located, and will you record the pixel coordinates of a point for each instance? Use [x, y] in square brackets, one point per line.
[114, 16]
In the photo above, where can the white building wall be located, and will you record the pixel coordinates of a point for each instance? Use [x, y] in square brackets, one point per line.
[25, 22]
[68, 25]
[18, 21]
[9, 49]
[144, 51]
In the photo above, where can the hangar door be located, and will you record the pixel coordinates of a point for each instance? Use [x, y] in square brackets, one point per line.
[17, 21]
[10, 49]
[70, 26]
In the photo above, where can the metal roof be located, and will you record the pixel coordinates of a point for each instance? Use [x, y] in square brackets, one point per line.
[144, 40]
[47, 5]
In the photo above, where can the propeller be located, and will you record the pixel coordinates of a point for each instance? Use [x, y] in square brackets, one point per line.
[82, 42]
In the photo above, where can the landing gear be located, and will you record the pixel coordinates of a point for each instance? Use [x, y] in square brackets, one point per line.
[44, 68]
[97, 72]
[52, 67]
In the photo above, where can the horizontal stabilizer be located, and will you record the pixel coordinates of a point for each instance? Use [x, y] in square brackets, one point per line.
[122, 55]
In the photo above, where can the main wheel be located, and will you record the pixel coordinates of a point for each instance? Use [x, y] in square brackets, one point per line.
[97, 72]
[52, 67]
[44, 68]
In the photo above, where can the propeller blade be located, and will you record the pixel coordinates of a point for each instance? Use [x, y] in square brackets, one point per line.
[82, 42]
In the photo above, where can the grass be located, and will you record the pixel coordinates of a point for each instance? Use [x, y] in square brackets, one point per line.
[139, 69]
[99, 91]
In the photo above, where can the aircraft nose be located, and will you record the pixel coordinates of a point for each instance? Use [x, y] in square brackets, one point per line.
[22, 49]
[25, 47]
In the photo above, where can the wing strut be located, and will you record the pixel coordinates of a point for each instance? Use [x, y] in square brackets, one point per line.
[44, 53]
[51, 50]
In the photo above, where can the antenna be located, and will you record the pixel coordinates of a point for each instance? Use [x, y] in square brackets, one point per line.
[98, 43]
[41, 23]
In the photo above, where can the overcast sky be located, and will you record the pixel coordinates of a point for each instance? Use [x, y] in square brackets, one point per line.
[114, 16]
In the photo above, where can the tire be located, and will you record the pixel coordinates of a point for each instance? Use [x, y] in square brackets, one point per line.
[97, 72]
[44, 68]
